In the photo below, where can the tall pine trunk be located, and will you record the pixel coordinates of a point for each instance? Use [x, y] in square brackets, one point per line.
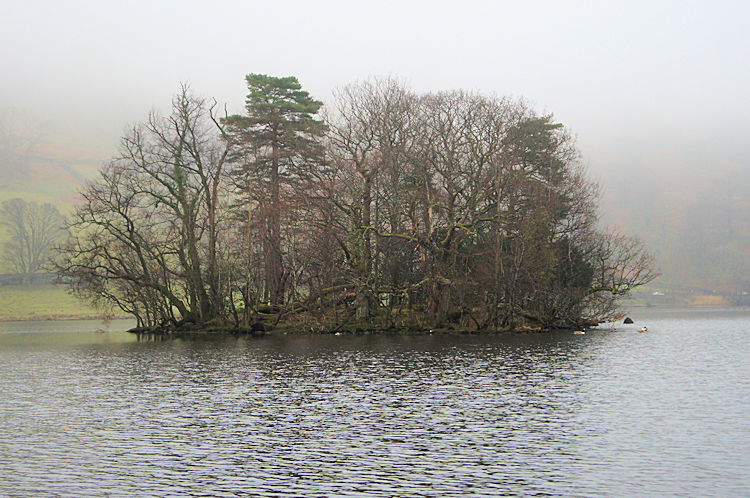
[274, 266]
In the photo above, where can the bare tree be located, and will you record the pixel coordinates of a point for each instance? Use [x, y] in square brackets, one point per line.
[146, 235]
[32, 228]
[369, 132]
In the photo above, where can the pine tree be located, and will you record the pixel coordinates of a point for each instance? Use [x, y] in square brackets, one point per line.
[277, 141]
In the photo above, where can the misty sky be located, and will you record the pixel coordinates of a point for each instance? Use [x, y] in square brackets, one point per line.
[646, 86]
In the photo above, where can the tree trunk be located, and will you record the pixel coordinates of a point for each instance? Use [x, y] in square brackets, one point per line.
[274, 267]
[365, 263]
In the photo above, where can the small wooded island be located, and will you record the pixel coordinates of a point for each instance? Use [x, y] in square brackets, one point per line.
[392, 210]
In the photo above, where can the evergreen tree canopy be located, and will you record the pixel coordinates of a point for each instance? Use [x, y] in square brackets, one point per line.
[280, 115]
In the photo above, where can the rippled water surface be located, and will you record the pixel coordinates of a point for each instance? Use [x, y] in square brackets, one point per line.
[87, 411]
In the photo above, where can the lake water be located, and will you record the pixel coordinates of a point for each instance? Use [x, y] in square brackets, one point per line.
[91, 412]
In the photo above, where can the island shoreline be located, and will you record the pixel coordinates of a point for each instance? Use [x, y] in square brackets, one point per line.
[181, 332]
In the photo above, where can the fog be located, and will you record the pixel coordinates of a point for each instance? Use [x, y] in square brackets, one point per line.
[655, 93]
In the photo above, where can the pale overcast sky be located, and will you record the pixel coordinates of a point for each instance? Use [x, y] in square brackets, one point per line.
[628, 78]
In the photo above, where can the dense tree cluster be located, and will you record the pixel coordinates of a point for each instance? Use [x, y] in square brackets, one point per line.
[396, 209]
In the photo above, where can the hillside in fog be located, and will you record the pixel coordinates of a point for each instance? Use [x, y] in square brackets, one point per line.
[690, 204]
[42, 163]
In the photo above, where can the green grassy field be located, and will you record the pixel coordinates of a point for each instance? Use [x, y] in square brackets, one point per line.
[41, 302]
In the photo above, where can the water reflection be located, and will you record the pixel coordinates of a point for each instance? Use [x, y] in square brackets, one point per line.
[611, 412]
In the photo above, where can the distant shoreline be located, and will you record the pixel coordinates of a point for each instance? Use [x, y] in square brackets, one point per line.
[60, 318]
